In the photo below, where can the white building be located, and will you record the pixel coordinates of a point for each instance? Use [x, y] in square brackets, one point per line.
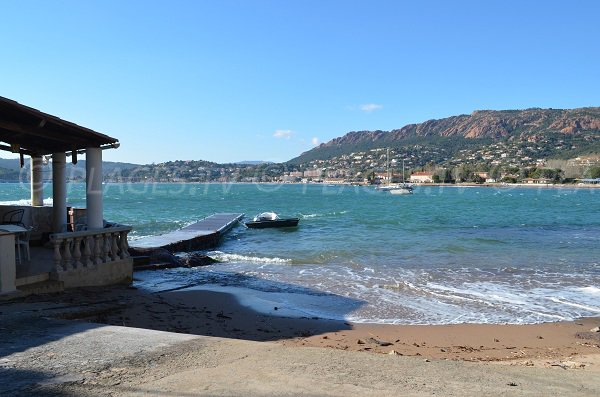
[421, 177]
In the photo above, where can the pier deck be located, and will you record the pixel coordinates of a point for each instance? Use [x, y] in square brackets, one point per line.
[203, 234]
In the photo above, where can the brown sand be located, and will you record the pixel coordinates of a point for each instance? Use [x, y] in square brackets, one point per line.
[567, 345]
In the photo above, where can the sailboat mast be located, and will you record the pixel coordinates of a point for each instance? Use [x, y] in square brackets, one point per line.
[403, 180]
[388, 166]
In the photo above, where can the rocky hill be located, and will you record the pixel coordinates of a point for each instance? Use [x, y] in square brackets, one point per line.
[479, 128]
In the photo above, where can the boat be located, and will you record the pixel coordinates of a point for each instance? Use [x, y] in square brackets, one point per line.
[271, 219]
[396, 189]
[404, 188]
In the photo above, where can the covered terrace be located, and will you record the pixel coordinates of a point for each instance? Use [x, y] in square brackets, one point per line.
[92, 253]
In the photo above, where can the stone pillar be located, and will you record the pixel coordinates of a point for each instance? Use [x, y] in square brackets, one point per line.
[37, 181]
[93, 169]
[8, 270]
[59, 192]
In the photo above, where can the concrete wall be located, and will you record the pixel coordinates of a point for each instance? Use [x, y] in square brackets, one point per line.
[117, 272]
[7, 263]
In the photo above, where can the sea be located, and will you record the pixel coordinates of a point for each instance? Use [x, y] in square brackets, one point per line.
[442, 255]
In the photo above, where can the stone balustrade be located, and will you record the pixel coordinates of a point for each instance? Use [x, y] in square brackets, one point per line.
[90, 248]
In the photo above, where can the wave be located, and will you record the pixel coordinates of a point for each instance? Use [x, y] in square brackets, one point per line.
[26, 202]
[590, 290]
[228, 258]
[575, 304]
[307, 216]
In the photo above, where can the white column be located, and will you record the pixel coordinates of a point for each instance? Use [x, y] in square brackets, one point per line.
[37, 182]
[93, 169]
[59, 192]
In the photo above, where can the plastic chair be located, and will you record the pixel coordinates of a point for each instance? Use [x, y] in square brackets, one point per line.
[22, 240]
[14, 217]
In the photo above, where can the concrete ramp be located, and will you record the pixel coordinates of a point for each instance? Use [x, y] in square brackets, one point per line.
[203, 234]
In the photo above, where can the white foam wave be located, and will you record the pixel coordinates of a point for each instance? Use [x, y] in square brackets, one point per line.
[26, 202]
[590, 290]
[574, 304]
[228, 258]
[306, 216]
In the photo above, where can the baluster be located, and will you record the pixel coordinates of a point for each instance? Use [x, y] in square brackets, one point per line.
[57, 256]
[98, 243]
[87, 252]
[114, 248]
[67, 254]
[77, 253]
[106, 248]
[123, 245]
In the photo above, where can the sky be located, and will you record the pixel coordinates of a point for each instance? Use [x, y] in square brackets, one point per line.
[228, 81]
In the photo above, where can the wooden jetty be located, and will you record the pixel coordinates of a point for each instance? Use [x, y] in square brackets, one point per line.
[203, 234]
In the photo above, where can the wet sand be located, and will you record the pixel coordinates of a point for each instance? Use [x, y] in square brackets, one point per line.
[567, 345]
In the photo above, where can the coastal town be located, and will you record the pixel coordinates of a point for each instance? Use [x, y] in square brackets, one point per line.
[498, 163]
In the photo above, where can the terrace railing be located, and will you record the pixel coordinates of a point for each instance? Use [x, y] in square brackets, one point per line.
[89, 248]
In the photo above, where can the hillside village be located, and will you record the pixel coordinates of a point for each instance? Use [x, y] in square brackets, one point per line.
[519, 146]
[499, 162]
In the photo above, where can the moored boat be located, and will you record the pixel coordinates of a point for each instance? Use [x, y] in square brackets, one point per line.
[271, 219]
[405, 188]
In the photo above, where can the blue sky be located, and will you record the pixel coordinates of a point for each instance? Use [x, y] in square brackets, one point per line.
[266, 80]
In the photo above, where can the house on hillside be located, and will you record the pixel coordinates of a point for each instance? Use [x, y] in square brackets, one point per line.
[46, 248]
[421, 177]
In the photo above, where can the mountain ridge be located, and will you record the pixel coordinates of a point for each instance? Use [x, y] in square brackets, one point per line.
[495, 125]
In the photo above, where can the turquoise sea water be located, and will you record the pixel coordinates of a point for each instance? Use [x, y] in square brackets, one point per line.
[442, 255]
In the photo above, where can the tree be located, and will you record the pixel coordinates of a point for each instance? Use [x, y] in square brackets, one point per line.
[477, 178]
[593, 172]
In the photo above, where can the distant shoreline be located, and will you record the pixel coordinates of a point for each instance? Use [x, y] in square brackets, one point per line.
[497, 185]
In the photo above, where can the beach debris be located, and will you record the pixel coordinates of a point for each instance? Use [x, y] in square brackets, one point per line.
[427, 360]
[379, 342]
[360, 342]
[596, 329]
[394, 353]
[588, 335]
[496, 340]
[512, 384]
[568, 365]
[528, 363]
[540, 337]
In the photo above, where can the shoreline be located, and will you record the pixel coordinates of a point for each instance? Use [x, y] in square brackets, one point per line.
[567, 345]
[350, 184]
[124, 341]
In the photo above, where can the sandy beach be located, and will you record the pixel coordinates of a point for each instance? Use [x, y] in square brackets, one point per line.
[562, 344]
[122, 341]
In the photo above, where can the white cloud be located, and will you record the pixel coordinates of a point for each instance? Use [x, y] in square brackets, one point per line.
[287, 134]
[370, 107]
[315, 141]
